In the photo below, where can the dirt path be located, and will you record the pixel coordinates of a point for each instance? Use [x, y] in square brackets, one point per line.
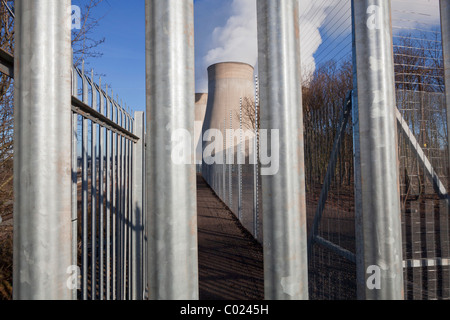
[230, 260]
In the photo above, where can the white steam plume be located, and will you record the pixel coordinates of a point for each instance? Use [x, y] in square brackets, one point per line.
[237, 39]
[311, 20]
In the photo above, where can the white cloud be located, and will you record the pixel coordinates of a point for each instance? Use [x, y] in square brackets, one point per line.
[418, 15]
[313, 17]
[208, 15]
[410, 14]
[237, 40]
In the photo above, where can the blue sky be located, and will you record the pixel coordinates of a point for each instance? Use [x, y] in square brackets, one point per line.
[225, 30]
[123, 60]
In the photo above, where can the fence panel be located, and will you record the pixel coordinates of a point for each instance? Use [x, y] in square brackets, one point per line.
[109, 234]
[423, 150]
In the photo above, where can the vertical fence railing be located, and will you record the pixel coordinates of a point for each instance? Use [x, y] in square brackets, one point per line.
[108, 181]
[137, 244]
[111, 235]
[75, 193]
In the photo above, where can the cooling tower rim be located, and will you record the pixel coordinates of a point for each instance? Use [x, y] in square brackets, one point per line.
[230, 63]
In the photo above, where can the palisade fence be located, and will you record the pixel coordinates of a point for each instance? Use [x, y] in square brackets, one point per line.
[108, 150]
[108, 221]
[109, 239]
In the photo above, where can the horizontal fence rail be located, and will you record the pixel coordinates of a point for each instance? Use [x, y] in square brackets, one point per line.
[6, 63]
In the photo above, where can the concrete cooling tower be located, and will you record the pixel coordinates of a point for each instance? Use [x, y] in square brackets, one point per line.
[232, 183]
[201, 100]
[228, 82]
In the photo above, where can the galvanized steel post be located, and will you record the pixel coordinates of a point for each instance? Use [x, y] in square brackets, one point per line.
[171, 196]
[114, 202]
[101, 193]
[138, 208]
[84, 191]
[94, 193]
[109, 205]
[42, 148]
[284, 201]
[74, 185]
[379, 220]
[121, 198]
[445, 31]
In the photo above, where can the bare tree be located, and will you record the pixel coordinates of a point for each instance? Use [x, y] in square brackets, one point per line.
[6, 151]
[6, 111]
[324, 94]
[420, 86]
[249, 114]
[84, 45]
[418, 62]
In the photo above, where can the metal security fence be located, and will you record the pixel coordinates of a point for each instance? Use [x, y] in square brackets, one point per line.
[107, 172]
[79, 174]
[107, 193]
[329, 154]
[337, 142]
[423, 151]
[363, 166]
[332, 152]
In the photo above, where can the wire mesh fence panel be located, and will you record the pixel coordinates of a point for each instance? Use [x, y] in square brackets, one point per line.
[422, 142]
[327, 79]
[247, 198]
[423, 163]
